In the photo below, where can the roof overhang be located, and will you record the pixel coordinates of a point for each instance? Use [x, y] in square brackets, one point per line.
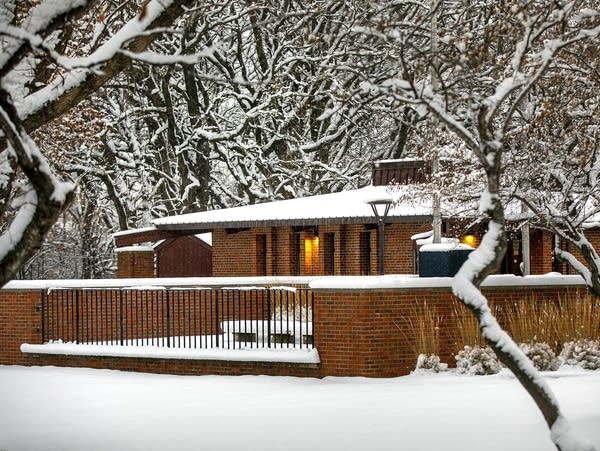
[183, 228]
[150, 234]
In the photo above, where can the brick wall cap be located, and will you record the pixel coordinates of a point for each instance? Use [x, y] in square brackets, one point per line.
[155, 352]
[395, 282]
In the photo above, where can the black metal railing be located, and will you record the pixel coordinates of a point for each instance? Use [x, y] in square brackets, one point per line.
[226, 318]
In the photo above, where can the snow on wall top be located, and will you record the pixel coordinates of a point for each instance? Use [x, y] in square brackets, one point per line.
[392, 281]
[414, 281]
[346, 204]
[157, 283]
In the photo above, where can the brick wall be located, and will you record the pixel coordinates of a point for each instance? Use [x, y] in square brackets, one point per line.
[135, 263]
[175, 366]
[399, 247]
[541, 250]
[368, 333]
[357, 332]
[19, 323]
[593, 235]
[235, 254]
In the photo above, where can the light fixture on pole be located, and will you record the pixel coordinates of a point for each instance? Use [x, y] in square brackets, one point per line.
[381, 208]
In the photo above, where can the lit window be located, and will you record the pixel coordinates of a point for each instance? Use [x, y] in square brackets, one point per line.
[471, 240]
[311, 252]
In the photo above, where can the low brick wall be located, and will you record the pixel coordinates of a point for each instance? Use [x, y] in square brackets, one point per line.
[357, 331]
[20, 322]
[177, 366]
[366, 332]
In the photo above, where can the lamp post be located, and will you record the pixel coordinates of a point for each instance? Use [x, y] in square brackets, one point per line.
[381, 208]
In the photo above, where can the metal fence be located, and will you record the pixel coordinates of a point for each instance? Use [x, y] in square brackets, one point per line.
[223, 318]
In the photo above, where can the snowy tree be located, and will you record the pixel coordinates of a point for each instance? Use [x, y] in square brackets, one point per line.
[246, 103]
[79, 245]
[39, 81]
[477, 69]
[557, 179]
[267, 114]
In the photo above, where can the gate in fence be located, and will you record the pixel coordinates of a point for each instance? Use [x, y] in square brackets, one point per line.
[226, 318]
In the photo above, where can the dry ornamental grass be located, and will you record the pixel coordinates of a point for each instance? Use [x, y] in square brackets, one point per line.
[555, 323]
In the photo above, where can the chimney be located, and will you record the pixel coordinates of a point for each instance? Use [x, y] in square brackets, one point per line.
[402, 172]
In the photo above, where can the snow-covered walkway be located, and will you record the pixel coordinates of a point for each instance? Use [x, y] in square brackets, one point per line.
[84, 409]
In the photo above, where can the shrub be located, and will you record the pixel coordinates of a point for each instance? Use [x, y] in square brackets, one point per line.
[541, 355]
[477, 360]
[430, 362]
[585, 353]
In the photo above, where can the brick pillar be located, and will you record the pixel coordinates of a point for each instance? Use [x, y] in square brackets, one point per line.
[357, 332]
[135, 262]
[20, 322]
[541, 247]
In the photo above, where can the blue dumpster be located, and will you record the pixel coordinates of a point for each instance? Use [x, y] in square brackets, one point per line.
[442, 260]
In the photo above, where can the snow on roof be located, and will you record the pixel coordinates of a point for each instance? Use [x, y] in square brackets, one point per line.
[134, 248]
[134, 231]
[344, 207]
[206, 237]
[398, 160]
[593, 222]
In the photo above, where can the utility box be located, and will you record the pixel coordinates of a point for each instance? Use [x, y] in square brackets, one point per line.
[442, 260]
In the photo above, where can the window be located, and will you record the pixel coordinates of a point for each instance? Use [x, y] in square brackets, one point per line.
[311, 252]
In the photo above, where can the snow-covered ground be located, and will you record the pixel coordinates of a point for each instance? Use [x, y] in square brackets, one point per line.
[83, 409]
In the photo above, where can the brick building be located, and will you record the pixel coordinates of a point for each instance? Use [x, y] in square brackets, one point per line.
[331, 234]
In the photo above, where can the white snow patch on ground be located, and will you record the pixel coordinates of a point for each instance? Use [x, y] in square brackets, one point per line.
[82, 409]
